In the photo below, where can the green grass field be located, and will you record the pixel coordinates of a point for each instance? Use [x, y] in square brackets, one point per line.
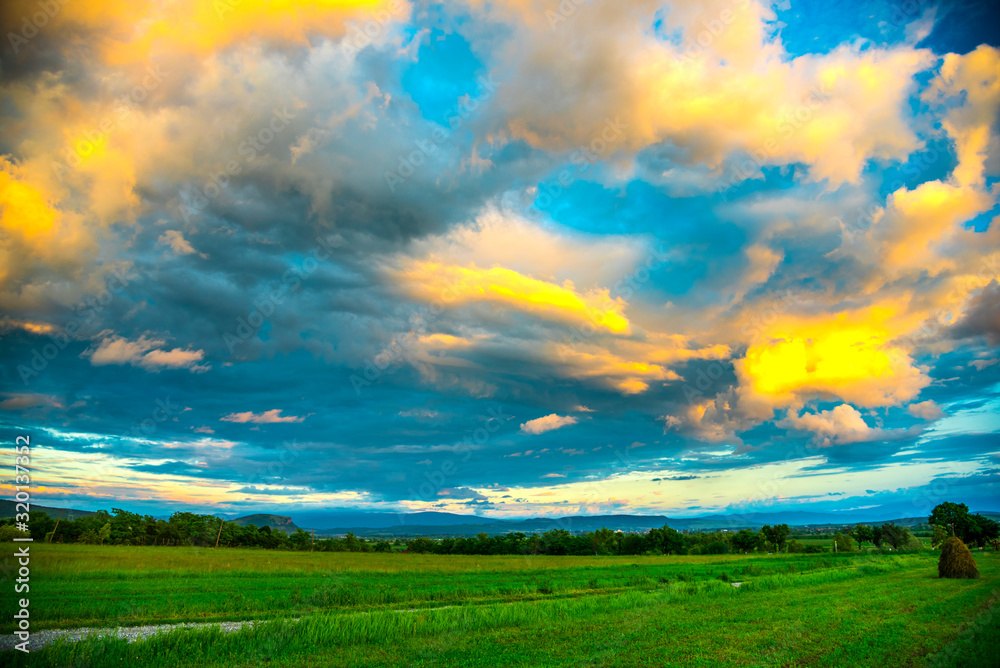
[423, 610]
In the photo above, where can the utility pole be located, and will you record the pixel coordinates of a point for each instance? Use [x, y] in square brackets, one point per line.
[56, 527]
[312, 532]
[221, 522]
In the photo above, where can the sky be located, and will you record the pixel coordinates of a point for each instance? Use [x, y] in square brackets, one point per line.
[510, 258]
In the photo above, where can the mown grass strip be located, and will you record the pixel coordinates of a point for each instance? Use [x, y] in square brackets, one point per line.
[862, 613]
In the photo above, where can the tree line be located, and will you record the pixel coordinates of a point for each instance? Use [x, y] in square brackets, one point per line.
[121, 527]
[954, 519]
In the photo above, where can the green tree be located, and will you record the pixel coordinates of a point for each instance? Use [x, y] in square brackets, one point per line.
[126, 528]
[776, 535]
[746, 540]
[300, 540]
[862, 533]
[939, 535]
[899, 538]
[351, 542]
[557, 541]
[982, 530]
[633, 543]
[667, 540]
[602, 540]
[104, 533]
[39, 524]
[420, 545]
[842, 542]
[893, 535]
[954, 516]
[717, 547]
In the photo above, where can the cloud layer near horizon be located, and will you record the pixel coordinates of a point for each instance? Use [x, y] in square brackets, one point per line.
[382, 254]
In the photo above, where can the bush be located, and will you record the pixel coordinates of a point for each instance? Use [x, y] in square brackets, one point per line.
[910, 543]
[843, 543]
[956, 561]
[9, 532]
[715, 548]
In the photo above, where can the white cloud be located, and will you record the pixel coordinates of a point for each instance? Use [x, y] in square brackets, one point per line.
[16, 402]
[272, 416]
[177, 242]
[547, 423]
[927, 410]
[146, 353]
[839, 426]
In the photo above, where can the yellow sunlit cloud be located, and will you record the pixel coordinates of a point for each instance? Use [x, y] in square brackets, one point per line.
[850, 356]
[32, 228]
[741, 94]
[133, 32]
[23, 208]
[919, 220]
[626, 375]
[455, 285]
[974, 79]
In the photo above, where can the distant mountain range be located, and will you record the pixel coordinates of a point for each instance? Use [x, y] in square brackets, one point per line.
[9, 509]
[278, 522]
[397, 525]
[472, 525]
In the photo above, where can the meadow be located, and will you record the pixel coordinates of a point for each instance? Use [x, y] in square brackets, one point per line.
[358, 609]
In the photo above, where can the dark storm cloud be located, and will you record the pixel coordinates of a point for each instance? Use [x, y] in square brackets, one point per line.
[982, 317]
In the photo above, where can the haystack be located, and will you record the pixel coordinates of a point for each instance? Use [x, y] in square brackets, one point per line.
[956, 561]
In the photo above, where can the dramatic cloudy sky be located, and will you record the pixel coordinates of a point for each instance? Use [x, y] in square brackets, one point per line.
[511, 257]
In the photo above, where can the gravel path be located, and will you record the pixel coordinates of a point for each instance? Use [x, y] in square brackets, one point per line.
[40, 639]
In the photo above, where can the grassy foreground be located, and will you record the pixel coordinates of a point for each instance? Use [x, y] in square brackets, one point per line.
[372, 609]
